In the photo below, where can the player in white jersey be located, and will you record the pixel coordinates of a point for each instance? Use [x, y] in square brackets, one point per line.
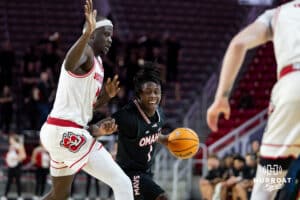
[281, 139]
[70, 144]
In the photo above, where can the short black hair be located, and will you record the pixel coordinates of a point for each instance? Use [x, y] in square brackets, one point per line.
[239, 158]
[147, 73]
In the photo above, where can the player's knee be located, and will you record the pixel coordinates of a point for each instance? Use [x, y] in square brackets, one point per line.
[163, 196]
[127, 181]
[123, 181]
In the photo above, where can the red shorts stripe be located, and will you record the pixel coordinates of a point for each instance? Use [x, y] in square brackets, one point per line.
[100, 146]
[59, 167]
[84, 154]
[62, 122]
[281, 145]
[278, 157]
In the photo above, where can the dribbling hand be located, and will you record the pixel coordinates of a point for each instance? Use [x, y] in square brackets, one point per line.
[112, 86]
[219, 106]
[90, 17]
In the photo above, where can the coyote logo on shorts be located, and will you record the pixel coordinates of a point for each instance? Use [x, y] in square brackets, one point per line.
[72, 141]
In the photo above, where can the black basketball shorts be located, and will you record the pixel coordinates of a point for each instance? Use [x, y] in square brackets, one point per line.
[144, 188]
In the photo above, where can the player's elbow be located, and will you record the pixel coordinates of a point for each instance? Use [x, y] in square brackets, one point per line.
[238, 44]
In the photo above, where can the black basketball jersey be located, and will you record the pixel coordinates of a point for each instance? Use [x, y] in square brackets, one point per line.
[137, 137]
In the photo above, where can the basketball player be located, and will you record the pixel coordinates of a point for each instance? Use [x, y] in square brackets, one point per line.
[64, 136]
[280, 143]
[140, 123]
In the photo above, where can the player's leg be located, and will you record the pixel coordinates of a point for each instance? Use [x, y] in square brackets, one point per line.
[102, 166]
[61, 187]
[145, 188]
[279, 148]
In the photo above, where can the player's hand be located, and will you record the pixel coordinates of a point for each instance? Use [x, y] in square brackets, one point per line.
[106, 126]
[112, 86]
[90, 17]
[219, 106]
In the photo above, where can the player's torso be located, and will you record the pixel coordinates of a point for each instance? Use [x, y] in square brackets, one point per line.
[137, 153]
[286, 26]
[76, 94]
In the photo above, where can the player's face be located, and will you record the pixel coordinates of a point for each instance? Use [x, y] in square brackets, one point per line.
[102, 40]
[150, 96]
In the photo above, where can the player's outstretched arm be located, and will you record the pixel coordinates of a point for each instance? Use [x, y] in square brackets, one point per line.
[106, 126]
[253, 35]
[80, 53]
[111, 89]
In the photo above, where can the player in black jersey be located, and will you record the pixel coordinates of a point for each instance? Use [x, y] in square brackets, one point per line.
[140, 123]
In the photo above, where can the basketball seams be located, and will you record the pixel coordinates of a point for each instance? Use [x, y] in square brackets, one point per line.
[183, 139]
[195, 145]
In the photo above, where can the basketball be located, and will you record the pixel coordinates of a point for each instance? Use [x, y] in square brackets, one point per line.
[183, 143]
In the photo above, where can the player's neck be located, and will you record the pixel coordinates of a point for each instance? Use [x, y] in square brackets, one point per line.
[149, 113]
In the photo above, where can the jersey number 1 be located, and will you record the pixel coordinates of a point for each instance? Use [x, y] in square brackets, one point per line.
[149, 154]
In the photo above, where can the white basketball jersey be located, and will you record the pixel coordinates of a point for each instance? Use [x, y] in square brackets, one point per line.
[76, 94]
[284, 22]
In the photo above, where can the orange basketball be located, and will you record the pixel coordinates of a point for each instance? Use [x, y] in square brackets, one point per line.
[183, 143]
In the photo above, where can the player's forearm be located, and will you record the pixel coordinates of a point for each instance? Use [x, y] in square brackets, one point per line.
[163, 139]
[231, 65]
[76, 52]
[102, 99]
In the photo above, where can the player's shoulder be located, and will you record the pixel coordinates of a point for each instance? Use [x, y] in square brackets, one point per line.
[126, 111]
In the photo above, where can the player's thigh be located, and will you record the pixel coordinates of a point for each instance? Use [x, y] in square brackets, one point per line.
[144, 188]
[282, 133]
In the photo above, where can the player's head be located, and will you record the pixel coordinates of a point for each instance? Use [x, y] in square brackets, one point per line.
[101, 38]
[147, 85]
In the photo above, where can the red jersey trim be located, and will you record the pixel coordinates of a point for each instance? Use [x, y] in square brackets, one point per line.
[87, 153]
[98, 59]
[56, 161]
[83, 75]
[62, 122]
[287, 69]
[142, 112]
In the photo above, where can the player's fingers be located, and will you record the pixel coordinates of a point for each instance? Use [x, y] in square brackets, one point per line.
[108, 81]
[87, 3]
[227, 114]
[212, 121]
[91, 4]
[86, 10]
[116, 78]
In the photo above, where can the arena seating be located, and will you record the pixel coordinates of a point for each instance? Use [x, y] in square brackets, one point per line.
[203, 28]
[27, 21]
